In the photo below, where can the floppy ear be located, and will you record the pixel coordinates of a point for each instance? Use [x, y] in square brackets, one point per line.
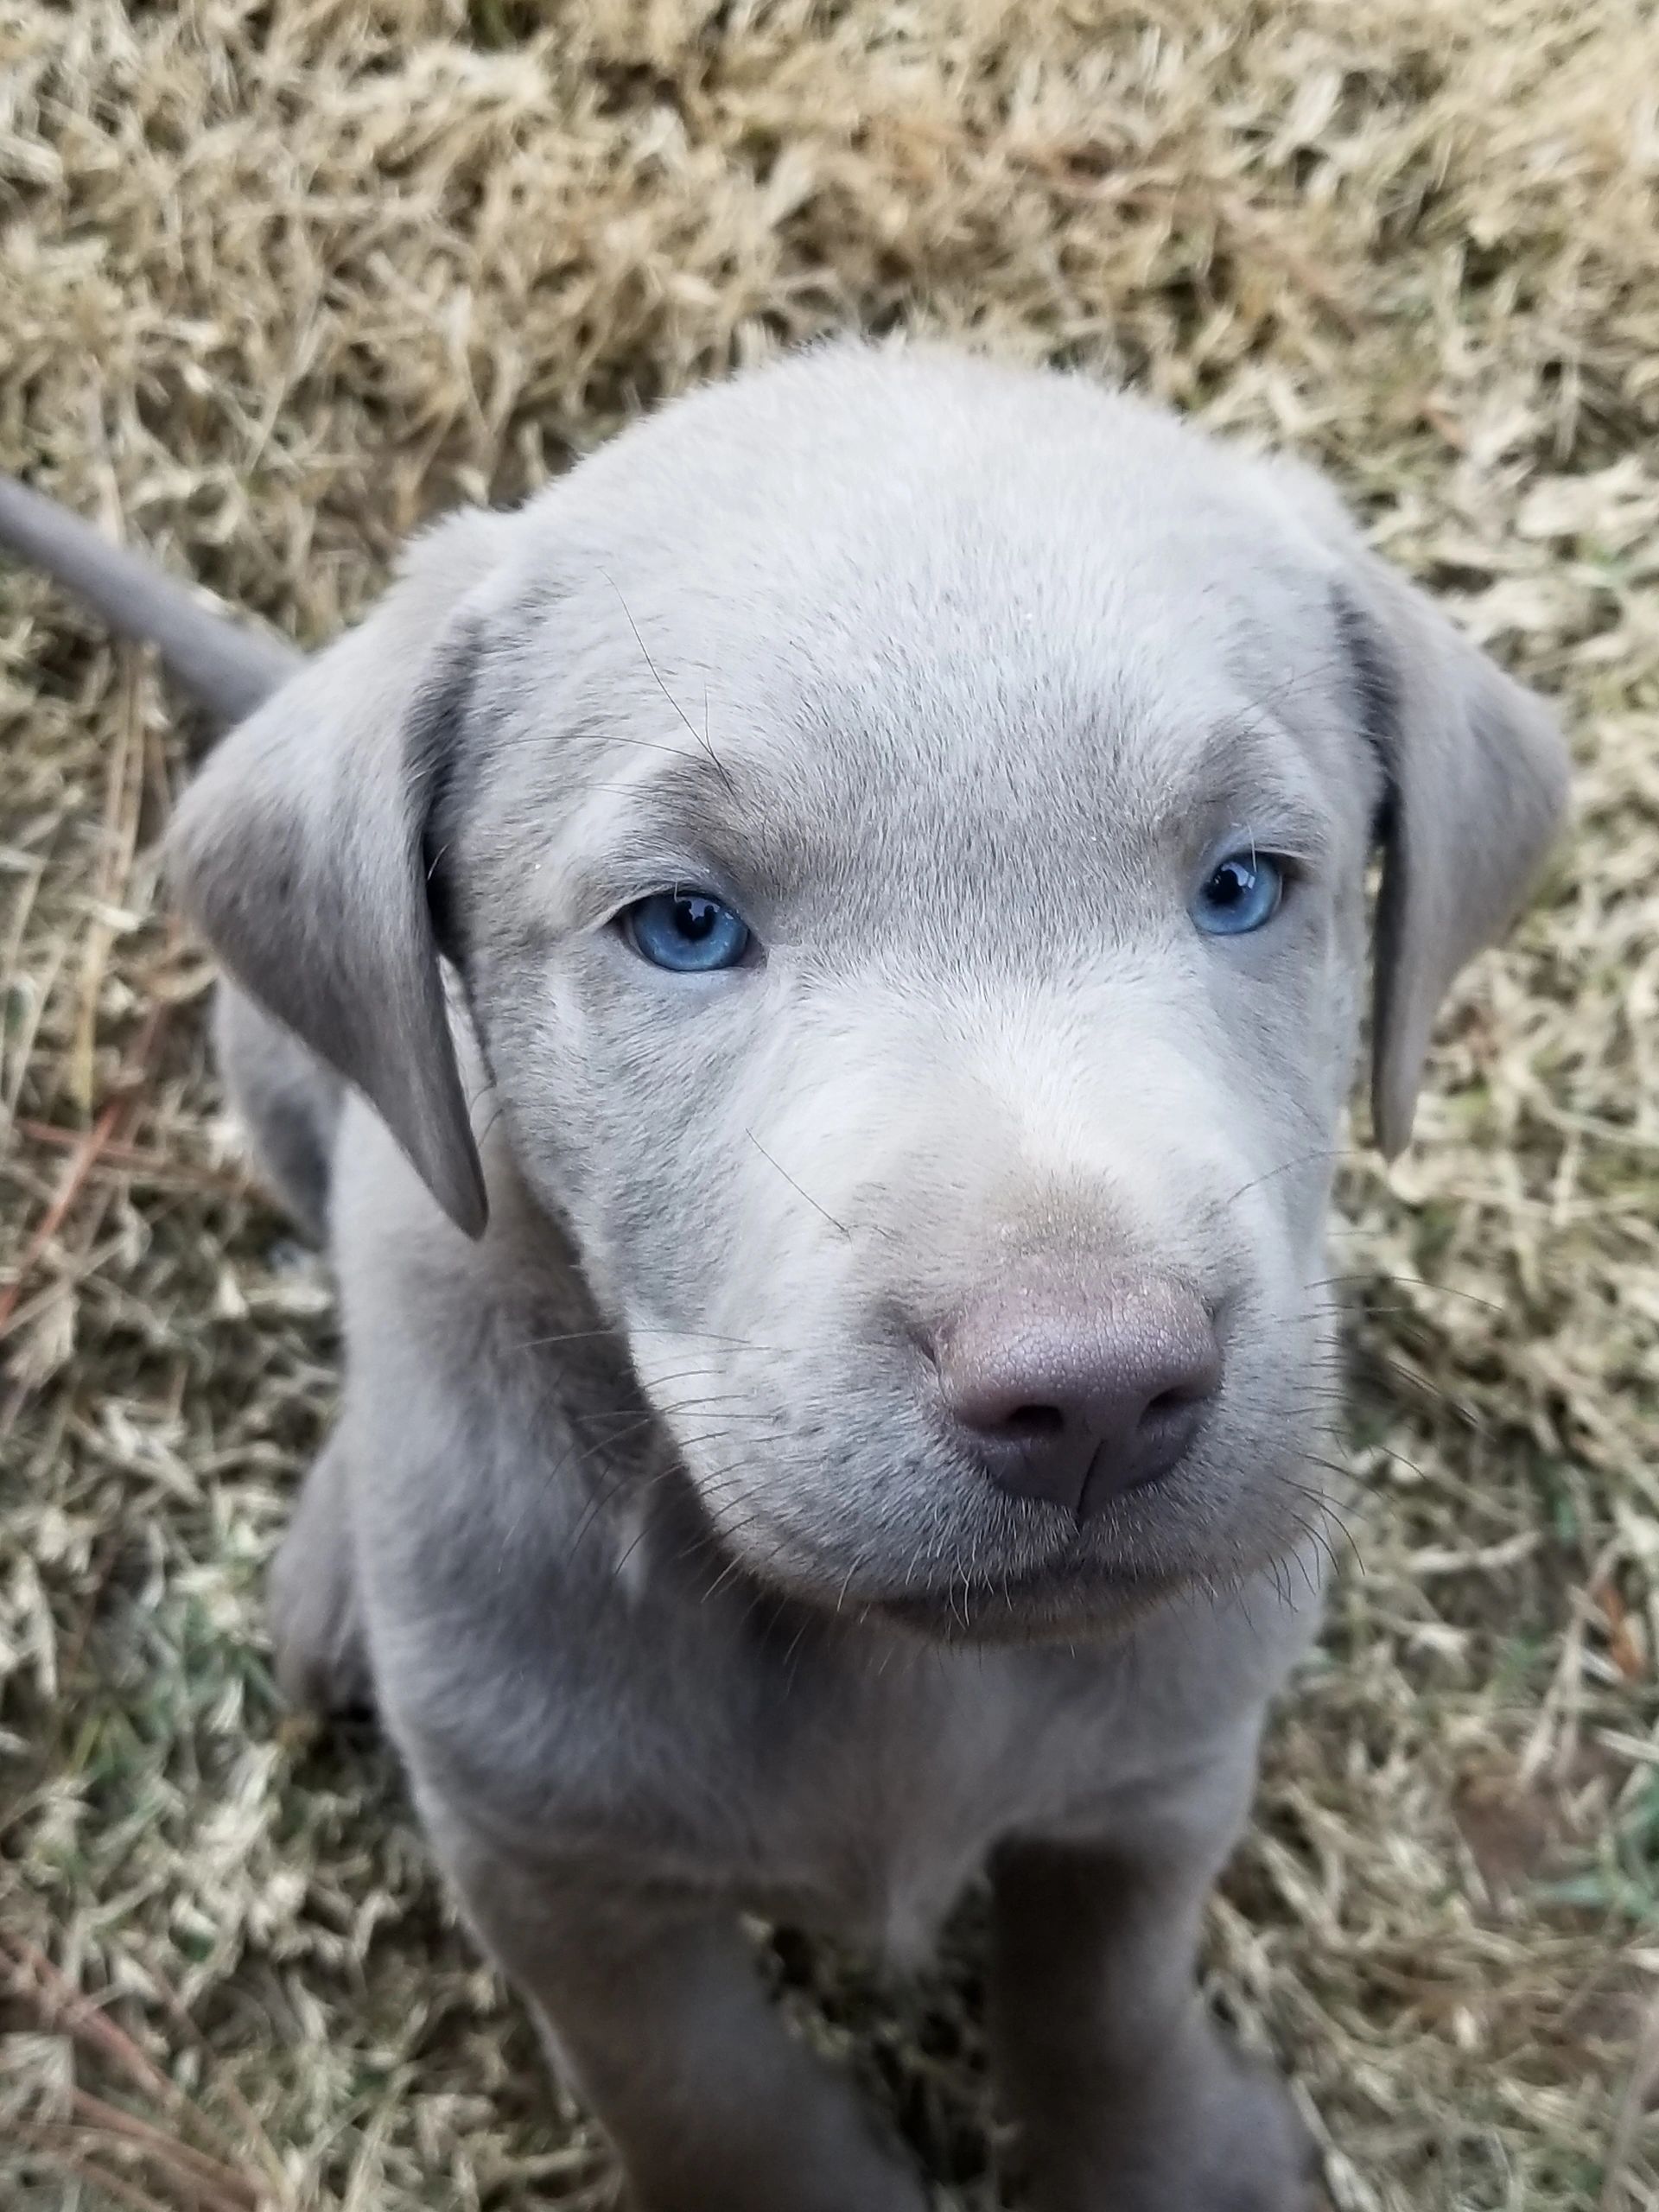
[301, 852]
[1475, 782]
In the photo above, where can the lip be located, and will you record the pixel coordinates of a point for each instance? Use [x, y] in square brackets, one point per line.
[1067, 1596]
[1066, 1600]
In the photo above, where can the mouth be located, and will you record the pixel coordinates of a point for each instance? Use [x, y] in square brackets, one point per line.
[1074, 1599]
[1073, 1593]
[1092, 1583]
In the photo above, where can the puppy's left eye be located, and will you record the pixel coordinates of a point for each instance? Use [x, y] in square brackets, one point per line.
[686, 932]
[1240, 893]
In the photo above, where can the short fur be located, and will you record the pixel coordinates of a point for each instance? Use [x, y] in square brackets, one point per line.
[678, 1594]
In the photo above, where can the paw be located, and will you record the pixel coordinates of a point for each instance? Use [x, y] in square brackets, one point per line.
[322, 1664]
[322, 1657]
[1254, 2153]
[1217, 2133]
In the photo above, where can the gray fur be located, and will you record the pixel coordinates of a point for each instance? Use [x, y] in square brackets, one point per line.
[677, 1595]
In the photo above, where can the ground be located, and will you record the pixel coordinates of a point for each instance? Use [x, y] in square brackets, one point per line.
[276, 281]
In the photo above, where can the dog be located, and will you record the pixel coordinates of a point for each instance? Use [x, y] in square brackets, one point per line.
[809, 978]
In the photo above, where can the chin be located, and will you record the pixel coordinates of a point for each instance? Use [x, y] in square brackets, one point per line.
[1066, 1605]
[1068, 1601]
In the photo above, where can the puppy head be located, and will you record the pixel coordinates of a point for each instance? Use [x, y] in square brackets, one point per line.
[903, 829]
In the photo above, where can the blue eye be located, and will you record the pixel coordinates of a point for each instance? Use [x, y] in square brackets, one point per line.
[686, 932]
[1239, 894]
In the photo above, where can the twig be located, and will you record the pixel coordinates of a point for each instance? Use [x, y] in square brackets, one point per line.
[1627, 2117]
[79, 1167]
[221, 2184]
[84, 2168]
[262, 2144]
[64, 2006]
[138, 1159]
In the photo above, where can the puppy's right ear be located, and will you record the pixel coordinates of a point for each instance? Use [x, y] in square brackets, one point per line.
[301, 852]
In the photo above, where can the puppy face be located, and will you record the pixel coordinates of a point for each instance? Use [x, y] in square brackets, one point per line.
[939, 728]
[903, 828]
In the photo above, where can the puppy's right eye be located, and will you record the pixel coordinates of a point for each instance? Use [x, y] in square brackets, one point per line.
[1241, 894]
[687, 933]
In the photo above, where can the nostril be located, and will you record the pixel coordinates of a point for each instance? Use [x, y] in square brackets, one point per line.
[1032, 1424]
[1180, 1400]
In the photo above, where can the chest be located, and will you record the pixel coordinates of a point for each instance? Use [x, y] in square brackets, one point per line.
[880, 1785]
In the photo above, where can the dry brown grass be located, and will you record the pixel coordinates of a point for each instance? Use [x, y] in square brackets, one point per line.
[275, 281]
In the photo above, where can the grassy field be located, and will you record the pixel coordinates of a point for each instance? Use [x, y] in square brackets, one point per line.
[276, 281]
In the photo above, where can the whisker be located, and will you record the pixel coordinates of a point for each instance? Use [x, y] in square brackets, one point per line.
[1285, 1167]
[1413, 1282]
[619, 1338]
[795, 1188]
[700, 741]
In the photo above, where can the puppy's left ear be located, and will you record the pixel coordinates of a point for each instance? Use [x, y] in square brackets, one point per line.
[304, 850]
[1475, 787]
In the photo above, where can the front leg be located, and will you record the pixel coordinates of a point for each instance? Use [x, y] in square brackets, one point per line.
[655, 2014]
[1128, 2097]
[316, 1619]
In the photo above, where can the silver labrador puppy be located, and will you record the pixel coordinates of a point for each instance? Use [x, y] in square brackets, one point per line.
[810, 976]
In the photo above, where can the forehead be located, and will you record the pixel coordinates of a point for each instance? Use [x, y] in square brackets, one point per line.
[915, 622]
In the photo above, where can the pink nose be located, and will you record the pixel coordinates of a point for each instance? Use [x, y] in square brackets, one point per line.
[1075, 1392]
